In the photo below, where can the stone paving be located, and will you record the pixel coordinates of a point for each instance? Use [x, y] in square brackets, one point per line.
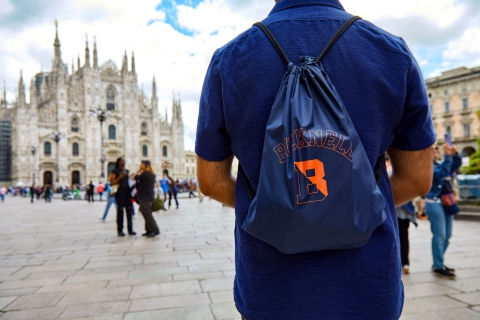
[59, 261]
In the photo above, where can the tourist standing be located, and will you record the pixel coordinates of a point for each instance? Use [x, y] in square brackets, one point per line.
[32, 193]
[405, 215]
[3, 191]
[90, 192]
[438, 210]
[110, 201]
[145, 177]
[123, 197]
[100, 190]
[164, 186]
[172, 189]
[191, 186]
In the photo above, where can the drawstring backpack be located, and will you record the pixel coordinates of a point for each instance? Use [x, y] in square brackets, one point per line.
[317, 190]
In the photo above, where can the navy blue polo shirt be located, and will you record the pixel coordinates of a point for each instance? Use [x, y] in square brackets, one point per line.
[382, 88]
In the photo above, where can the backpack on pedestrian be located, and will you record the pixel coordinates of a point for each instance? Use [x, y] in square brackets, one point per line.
[317, 189]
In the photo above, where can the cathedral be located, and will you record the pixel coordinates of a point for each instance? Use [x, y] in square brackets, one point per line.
[79, 121]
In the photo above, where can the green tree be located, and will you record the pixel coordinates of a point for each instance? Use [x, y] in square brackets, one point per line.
[474, 165]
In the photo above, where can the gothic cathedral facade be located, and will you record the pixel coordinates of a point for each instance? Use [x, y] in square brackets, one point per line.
[62, 123]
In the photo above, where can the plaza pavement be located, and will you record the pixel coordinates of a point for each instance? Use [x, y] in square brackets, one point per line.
[59, 261]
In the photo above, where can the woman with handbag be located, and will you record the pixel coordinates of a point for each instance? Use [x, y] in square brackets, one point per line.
[441, 206]
[145, 177]
[119, 180]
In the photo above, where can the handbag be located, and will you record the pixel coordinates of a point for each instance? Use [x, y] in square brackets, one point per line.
[449, 201]
[114, 189]
[157, 204]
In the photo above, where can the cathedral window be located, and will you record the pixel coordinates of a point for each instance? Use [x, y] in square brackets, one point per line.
[112, 132]
[165, 151]
[110, 100]
[74, 125]
[75, 149]
[144, 129]
[47, 148]
[145, 151]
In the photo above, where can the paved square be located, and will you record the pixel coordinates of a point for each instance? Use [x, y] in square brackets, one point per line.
[59, 261]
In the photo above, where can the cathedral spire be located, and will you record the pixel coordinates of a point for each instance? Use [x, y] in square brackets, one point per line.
[78, 62]
[21, 89]
[56, 44]
[73, 66]
[95, 56]
[125, 64]
[87, 53]
[133, 63]
[154, 88]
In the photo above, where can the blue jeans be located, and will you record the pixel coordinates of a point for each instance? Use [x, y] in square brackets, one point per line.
[2, 196]
[441, 226]
[110, 201]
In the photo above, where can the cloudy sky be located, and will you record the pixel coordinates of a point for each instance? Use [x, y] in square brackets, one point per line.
[174, 40]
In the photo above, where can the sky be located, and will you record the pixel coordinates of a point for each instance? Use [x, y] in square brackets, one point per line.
[174, 40]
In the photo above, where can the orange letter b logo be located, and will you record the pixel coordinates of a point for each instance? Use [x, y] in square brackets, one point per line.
[311, 185]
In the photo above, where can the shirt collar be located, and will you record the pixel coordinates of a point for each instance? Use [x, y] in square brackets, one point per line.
[286, 4]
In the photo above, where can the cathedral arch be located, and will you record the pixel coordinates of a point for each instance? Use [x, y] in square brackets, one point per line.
[110, 98]
[74, 125]
[47, 148]
[112, 132]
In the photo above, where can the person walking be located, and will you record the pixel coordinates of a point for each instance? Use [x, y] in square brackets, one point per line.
[405, 215]
[3, 192]
[123, 197]
[200, 194]
[90, 192]
[388, 106]
[145, 178]
[439, 208]
[110, 201]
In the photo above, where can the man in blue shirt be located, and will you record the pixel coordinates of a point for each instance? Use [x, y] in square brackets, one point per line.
[382, 88]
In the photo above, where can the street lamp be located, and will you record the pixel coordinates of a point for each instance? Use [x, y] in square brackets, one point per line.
[57, 136]
[101, 116]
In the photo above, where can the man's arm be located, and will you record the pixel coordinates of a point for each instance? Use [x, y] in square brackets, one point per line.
[215, 180]
[412, 173]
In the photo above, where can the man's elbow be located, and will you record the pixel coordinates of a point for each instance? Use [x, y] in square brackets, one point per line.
[423, 187]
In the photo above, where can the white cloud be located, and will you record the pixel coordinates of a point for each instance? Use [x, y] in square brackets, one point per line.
[179, 62]
[442, 12]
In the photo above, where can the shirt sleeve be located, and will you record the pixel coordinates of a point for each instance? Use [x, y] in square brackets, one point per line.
[415, 130]
[212, 140]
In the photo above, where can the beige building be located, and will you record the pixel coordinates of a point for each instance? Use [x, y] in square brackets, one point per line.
[455, 101]
[191, 164]
[65, 101]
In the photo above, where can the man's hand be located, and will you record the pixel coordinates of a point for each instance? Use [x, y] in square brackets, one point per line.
[215, 180]
[412, 173]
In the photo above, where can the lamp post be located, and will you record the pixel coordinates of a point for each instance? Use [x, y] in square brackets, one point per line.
[57, 136]
[33, 150]
[101, 116]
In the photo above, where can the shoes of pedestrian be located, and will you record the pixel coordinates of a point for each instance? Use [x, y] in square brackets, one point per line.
[132, 233]
[177, 207]
[145, 234]
[444, 273]
[406, 269]
[101, 218]
[121, 234]
[151, 235]
[447, 268]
